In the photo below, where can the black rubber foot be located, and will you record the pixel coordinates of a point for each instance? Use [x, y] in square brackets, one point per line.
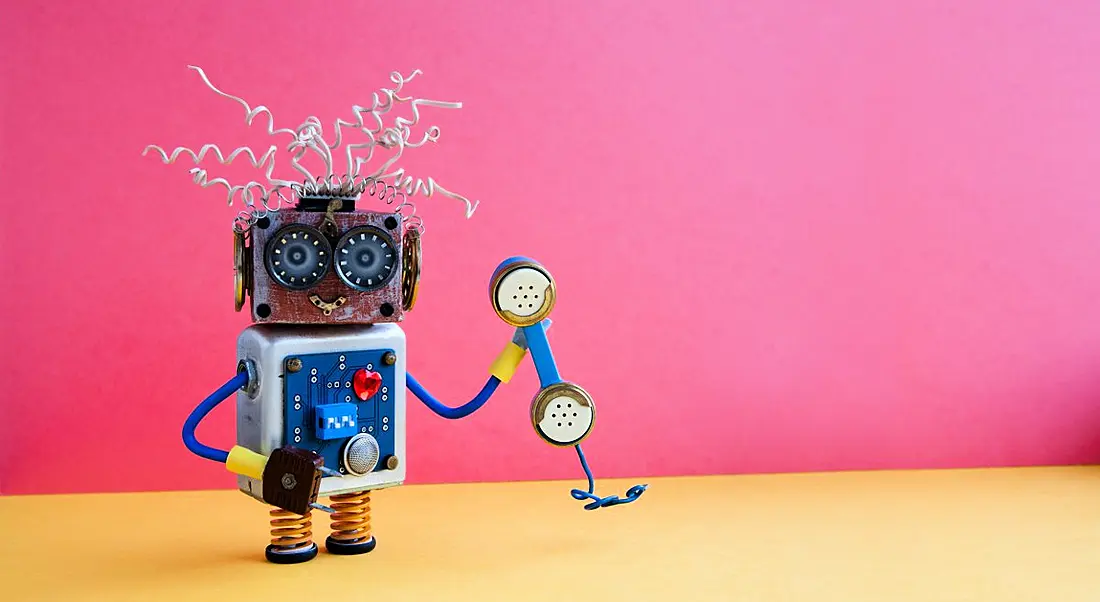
[291, 557]
[333, 546]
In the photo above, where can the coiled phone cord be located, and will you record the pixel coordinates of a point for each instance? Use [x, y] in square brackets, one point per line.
[602, 502]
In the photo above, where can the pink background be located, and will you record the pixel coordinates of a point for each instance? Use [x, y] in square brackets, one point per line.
[788, 236]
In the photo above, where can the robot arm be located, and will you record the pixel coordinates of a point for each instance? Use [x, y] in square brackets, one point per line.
[200, 412]
[502, 370]
[446, 411]
[306, 467]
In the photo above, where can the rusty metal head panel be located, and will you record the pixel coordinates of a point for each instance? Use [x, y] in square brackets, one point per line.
[315, 268]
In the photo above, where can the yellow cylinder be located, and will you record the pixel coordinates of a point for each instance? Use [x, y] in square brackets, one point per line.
[246, 462]
[506, 364]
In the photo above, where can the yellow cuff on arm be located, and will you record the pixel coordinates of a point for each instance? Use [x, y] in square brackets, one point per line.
[246, 462]
[506, 364]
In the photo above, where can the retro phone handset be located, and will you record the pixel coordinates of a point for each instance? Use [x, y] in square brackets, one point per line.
[523, 293]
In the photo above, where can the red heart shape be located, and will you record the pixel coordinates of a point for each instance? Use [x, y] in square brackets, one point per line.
[366, 384]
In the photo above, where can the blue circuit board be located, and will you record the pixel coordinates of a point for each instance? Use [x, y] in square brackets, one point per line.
[323, 410]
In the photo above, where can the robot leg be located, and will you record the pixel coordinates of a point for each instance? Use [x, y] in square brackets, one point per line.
[351, 532]
[291, 538]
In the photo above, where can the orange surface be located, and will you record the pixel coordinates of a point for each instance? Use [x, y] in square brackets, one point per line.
[997, 535]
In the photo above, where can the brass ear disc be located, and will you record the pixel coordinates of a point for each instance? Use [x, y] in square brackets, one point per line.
[242, 270]
[410, 268]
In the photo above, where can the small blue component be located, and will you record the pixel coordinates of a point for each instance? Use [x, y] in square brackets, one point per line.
[336, 421]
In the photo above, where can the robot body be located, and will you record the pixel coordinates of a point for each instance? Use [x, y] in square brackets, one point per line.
[337, 391]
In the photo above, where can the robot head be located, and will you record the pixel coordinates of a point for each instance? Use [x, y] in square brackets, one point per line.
[323, 261]
[309, 266]
[522, 291]
[563, 414]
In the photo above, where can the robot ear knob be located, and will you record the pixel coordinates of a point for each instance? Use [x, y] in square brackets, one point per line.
[522, 292]
[563, 414]
[410, 268]
[242, 270]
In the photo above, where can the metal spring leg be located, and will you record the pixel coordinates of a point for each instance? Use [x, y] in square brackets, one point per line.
[351, 532]
[291, 538]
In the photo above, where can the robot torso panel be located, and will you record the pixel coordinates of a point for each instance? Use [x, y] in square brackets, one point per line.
[337, 392]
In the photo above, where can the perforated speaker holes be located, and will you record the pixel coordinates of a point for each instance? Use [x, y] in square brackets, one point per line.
[528, 294]
[563, 414]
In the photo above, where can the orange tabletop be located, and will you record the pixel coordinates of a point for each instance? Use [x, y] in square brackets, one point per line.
[977, 535]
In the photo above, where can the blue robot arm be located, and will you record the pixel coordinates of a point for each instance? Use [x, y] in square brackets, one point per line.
[446, 411]
[501, 371]
[239, 460]
[200, 412]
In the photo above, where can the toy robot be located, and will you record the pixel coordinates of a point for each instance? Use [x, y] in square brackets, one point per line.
[321, 374]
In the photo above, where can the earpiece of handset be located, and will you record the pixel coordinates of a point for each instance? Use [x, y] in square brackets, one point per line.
[522, 291]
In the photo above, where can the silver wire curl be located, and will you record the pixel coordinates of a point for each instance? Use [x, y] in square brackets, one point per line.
[260, 198]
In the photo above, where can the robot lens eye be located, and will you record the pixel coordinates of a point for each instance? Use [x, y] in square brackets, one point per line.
[366, 258]
[298, 256]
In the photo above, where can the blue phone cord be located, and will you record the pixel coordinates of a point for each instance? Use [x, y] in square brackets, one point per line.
[602, 502]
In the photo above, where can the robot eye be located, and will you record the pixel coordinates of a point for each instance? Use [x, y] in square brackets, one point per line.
[366, 258]
[298, 256]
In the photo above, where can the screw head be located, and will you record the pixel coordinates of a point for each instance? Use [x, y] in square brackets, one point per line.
[293, 364]
[392, 462]
[289, 482]
[389, 358]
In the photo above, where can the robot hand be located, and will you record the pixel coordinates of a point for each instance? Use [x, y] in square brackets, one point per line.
[291, 477]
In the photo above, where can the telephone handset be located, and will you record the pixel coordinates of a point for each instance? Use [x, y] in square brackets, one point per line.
[523, 293]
